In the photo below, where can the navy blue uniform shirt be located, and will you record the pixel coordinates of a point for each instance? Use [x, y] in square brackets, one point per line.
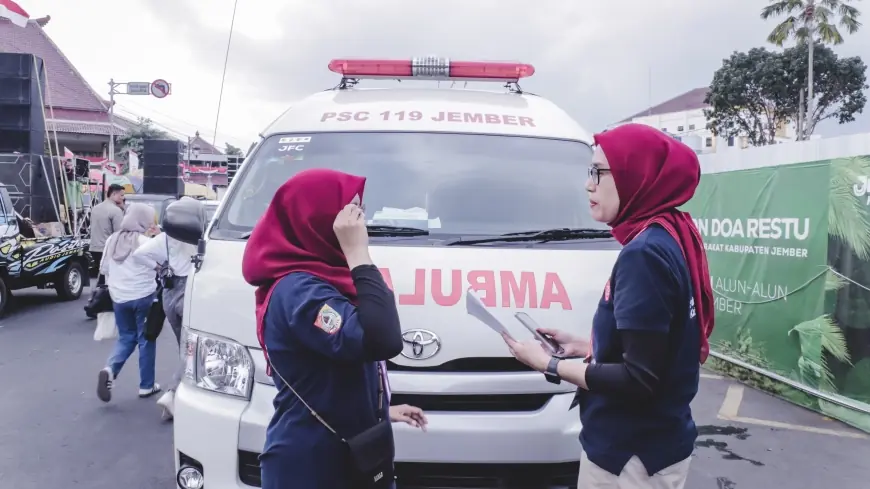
[649, 295]
[315, 341]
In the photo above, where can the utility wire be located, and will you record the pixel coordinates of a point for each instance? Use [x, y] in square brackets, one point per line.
[224, 76]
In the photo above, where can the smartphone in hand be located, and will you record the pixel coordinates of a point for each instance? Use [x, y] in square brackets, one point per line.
[553, 347]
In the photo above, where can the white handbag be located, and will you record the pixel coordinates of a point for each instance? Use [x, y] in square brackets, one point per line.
[107, 329]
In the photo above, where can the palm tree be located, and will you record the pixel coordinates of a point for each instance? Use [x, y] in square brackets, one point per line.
[809, 21]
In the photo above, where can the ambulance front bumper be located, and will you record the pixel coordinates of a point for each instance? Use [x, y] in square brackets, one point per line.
[225, 435]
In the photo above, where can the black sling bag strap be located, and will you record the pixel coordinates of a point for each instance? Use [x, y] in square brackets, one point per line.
[372, 451]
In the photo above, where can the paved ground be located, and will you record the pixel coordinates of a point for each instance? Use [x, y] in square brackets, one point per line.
[55, 433]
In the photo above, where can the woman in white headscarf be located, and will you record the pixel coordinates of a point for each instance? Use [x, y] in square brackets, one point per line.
[132, 286]
[173, 257]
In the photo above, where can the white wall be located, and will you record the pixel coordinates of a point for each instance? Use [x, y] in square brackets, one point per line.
[785, 154]
[678, 123]
[693, 122]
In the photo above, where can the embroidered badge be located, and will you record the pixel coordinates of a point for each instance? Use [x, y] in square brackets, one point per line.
[607, 291]
[328, 319]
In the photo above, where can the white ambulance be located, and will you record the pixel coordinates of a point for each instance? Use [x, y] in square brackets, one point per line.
[466, 188]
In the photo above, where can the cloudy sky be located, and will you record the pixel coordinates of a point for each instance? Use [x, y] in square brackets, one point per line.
[598, 60]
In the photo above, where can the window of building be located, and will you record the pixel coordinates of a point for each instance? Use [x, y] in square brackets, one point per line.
[680, 128]
[731, 141]
[691, 127]
[708, 142]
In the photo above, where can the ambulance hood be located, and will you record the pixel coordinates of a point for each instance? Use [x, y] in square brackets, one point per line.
[557, 288]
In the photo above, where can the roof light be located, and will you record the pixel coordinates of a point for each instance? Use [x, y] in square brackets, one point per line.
[432, 68]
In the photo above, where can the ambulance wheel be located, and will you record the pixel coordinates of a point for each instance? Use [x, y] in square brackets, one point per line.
[4, 296]
[71, 282]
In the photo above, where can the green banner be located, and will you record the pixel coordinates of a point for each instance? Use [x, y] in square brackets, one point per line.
[789, 247]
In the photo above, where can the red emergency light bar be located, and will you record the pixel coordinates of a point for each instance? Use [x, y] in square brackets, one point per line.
[431, 68]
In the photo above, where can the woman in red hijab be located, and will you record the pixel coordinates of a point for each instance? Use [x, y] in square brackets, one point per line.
[326, 321]
[652, 323]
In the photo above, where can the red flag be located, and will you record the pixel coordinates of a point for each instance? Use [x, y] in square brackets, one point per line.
[14, 12]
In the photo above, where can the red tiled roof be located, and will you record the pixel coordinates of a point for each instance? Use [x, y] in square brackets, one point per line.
[691, 100]
[205, 148]
[69, 89]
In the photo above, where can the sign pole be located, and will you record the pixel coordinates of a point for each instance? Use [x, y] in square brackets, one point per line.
[159, 88]
[112, 91]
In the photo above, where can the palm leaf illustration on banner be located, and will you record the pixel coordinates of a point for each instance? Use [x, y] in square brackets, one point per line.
[847, 216]
[820, 337]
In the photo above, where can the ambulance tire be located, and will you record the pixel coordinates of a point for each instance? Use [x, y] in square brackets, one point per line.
[71, 282]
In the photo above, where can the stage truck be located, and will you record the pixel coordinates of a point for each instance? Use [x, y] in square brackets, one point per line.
[26, 260]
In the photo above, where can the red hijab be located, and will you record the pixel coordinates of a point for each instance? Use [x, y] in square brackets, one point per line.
[295, 235]
[654, 174]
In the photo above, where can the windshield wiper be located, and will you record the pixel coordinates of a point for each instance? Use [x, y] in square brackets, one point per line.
[541, 236]
[379, 230]
[382, 230]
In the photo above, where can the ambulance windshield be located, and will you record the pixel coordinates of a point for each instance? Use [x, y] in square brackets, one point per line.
[449, 184]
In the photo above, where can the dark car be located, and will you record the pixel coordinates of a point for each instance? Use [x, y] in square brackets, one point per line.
[157, 201]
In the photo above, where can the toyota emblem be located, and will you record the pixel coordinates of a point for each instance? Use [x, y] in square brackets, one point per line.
[424, 344]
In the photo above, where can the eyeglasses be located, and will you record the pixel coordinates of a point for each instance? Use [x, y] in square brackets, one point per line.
[595, 173]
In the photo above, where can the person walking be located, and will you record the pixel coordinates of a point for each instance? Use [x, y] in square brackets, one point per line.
[173, 258]
[132, 286]
[326, 322]
[650, 331]
[106, 219]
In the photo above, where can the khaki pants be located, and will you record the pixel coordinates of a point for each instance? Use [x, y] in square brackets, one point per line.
[633, 476]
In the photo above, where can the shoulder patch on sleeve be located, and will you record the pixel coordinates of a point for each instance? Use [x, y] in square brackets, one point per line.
[328, 319]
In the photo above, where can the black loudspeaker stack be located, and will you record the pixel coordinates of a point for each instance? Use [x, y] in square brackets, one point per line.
[32, 183]
[161, 170]
[22, 137]
[22, 116]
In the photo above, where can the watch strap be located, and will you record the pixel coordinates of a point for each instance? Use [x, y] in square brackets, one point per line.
[552, 372]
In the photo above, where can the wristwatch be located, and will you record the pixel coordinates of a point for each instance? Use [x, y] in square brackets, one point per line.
[552, 371]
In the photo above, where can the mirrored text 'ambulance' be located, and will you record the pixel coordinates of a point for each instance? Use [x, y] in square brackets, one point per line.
[492, 185]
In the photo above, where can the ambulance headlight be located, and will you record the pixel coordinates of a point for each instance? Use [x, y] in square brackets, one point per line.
[216, 364]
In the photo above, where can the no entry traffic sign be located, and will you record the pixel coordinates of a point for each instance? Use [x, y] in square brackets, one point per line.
[160, 88]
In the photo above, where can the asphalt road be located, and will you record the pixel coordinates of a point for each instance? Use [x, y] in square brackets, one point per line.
[55, 433]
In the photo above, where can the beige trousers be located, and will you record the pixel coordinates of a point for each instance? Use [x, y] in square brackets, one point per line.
[633, 476]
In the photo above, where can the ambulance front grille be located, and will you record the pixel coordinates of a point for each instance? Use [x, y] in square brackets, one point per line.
[481, 403]
[438, 476]
[457, 476]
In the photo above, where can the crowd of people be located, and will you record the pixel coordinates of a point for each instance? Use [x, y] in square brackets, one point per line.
[327, 323]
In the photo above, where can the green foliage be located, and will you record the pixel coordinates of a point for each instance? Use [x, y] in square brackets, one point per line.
[838, 83]
[749, 96]
[811, 19]
[755, 93]
[132, 140]
[232, 150]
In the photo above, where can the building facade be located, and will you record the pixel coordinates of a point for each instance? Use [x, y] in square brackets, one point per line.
[683, 117]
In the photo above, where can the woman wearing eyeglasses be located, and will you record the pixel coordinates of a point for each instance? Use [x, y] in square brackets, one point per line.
[649, 333]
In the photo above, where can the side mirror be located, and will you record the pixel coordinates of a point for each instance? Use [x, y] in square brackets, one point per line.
[185, 221]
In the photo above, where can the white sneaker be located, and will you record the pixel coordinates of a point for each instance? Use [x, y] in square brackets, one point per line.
[105, 379]
[143, 393]
[167, 402]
